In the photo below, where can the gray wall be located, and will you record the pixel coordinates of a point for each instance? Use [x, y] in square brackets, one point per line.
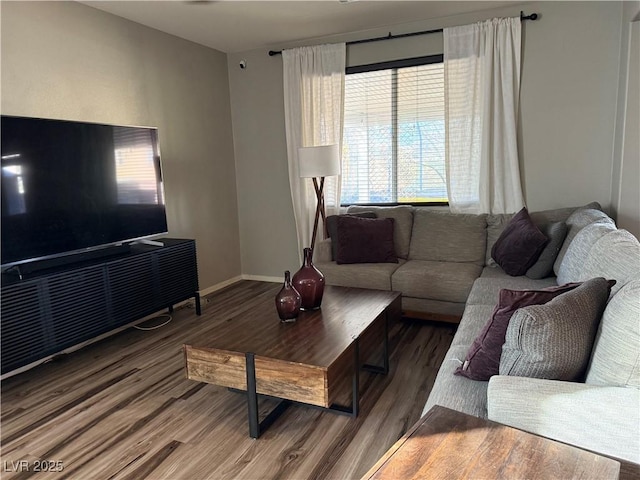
[625, 182]
[568, 113]
[66, 60]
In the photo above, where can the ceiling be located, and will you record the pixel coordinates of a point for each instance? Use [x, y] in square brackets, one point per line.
[235, 26]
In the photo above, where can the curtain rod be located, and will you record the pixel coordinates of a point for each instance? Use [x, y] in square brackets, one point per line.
[533, 16]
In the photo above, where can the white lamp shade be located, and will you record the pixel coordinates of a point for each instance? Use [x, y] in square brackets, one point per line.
[319, 161]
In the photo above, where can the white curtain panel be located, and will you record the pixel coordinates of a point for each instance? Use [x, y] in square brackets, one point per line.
[313, 104]
[482, 89]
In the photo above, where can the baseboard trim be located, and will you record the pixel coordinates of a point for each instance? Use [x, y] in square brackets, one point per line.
[220, 286]
[261, 278]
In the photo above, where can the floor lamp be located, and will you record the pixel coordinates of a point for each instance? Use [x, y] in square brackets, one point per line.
[317, 163]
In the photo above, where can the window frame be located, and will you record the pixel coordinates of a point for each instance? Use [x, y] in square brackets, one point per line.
[390, 65]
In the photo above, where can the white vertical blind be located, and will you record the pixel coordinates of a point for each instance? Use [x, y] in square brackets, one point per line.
[393, 141]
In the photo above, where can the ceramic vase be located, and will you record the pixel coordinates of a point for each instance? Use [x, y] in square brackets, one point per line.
[309, 282]
[288, 300]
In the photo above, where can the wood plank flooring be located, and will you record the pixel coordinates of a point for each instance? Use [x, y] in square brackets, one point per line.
[123, 409]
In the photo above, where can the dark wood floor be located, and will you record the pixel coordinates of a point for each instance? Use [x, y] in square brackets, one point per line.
[122, 408]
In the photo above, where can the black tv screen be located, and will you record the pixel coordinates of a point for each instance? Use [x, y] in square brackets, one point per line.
[69, 186]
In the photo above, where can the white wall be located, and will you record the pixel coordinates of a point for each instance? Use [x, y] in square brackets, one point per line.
[69, 61]
[568, 112]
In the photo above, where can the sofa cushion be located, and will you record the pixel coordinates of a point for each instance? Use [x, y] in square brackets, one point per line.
[483, 358]
[576, 222]
[559, 214]
[615, 359]
[486, 289]
[448, 237]
[601, 419]
[403, 222]
[573, 264]
[365, 240]
[554, 340]
[473, 320]
[556, 233]
[360, 275]
[615, 255]
[497, 222]
[332, 229]
[446, 281]
[431, 306]
[455, 392]
[519, 245]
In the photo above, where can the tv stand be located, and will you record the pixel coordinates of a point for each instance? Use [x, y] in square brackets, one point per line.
[63, 305]
[38, 267]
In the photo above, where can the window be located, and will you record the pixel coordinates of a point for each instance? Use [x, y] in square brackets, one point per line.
[394, 137]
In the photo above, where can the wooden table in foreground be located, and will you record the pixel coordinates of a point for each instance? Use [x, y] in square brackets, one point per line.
[448, 444]
[309, 361]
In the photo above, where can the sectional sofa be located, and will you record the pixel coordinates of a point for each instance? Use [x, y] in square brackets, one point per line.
[445, 271]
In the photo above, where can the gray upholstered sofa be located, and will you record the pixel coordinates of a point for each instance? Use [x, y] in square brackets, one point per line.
[440, 255]
[602, 414]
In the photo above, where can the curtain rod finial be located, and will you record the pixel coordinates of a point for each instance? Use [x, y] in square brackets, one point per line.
[533, 16]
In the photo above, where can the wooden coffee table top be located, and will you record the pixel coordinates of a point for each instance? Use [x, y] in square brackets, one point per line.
[315, 338]
[448, 444]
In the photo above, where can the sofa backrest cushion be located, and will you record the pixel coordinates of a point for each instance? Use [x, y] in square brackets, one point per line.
[615, 359]
[497, 222]
[559, 214]
[556, 233]
[403, 222]
[615, 255]
[576, 222]
[448, 237]
[576, 254]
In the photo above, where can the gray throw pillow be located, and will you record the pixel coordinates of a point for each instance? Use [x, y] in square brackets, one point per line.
[554, 340]
[556, 233]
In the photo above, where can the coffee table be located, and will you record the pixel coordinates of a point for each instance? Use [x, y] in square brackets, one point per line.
[310, 361]
[449, 444]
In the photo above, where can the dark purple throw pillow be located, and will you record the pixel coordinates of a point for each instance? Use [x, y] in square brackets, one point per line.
[483, 357]
[365, 240]
[332, 229]
[519, 245]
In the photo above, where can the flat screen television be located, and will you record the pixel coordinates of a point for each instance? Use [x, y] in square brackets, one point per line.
[70, 187]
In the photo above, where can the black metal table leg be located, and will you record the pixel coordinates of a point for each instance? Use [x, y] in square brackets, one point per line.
[355, 386]
[252, 396]
[384, 369]
[355, 400]
[196, 297]
[255, 426]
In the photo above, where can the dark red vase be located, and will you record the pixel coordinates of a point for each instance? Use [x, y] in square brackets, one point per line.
[309, 282]
[288, 300]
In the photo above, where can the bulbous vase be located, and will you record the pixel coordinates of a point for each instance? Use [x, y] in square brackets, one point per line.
[309, 282]
[288, 300]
